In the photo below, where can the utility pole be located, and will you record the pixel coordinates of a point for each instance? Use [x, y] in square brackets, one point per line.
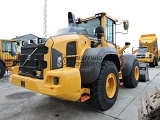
[45, 19]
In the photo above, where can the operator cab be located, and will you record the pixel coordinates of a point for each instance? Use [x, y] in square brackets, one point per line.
[90, 24]
[101, 23]
[9, 47]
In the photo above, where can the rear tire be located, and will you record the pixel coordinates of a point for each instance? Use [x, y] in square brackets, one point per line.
[132, 80]
[152, 64]
[156, 61]
[104, 90]
[2, 69]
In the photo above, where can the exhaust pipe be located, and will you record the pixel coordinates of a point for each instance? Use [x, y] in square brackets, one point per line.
[71, 20]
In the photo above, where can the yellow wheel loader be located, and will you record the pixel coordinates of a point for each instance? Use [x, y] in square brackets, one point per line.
[80, 63]
[147, 52]
[8, 55]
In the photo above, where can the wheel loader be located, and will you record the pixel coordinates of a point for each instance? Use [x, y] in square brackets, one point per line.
[147, 52]
[80, 63]
[8, 55]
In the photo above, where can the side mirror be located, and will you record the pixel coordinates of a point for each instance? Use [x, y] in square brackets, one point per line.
[127, 43]
[99, 31]
[125, 24]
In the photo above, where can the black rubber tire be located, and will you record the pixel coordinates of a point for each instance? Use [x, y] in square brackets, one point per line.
[152, 64]
[98, 97]
[156, 61]
[2, 69]
[130, 81]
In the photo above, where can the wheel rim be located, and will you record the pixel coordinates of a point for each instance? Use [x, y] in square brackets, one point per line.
[111, 85]
[136, 73]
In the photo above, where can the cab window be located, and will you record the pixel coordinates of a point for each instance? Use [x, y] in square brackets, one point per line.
[8, 46]
[90, 25]
[110, 30]
[143, 49]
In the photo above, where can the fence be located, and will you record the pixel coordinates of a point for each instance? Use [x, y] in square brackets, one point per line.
[6, 76]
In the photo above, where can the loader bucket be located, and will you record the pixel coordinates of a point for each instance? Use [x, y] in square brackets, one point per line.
[144, 75]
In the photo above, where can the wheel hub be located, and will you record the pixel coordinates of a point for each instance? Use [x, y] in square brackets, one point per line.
[136, 73]
[111, 85]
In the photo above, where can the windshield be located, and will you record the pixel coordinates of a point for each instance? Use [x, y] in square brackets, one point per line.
[90, 25]
[143, 49]
[8, 46]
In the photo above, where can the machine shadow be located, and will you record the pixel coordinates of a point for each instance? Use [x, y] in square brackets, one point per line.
[48, 106]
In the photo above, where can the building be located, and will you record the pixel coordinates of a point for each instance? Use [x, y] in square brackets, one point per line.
[24, 38]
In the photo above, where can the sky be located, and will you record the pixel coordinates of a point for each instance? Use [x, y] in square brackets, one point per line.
[20, 17]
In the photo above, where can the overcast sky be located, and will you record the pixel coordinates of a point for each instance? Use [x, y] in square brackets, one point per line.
[19, 17]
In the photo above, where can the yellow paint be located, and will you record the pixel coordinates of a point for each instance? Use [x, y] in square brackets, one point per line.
[158, 54]
[120, 75]
[5, 55]
[85, 90]
[111, 85]
[148, 41]
[136, 73]
[69, 88]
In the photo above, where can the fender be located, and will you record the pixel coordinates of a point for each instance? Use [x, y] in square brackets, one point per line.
[92, 59]
[129, 60]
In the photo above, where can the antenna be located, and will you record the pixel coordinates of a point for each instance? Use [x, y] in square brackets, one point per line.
[45, 19]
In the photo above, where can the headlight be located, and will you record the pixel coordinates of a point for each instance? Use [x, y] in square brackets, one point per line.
[55, 80]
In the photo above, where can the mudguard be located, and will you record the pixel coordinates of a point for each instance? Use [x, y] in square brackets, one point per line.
[92, 59]
[127, 60]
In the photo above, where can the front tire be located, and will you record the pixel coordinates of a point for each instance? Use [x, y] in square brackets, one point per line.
[156, 61]
[152, 64]
[104, 90]
[132, 80]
